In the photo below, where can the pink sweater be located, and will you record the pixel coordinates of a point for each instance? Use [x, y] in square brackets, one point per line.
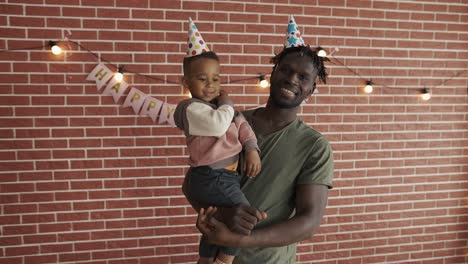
[214, 136]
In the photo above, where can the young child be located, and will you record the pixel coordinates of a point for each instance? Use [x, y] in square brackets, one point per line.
[215, 136]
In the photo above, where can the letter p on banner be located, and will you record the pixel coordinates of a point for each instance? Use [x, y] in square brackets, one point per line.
[151, 107]
[135, 99]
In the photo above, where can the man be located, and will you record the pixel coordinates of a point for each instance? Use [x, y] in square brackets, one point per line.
[297, 168]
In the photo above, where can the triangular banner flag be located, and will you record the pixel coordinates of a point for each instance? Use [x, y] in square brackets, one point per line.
[135, 99]
[151, 107]
[116, 89]
[100, 74]
[167, 114]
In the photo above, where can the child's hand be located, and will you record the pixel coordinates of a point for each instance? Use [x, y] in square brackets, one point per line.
[253, 164]
[223, 98]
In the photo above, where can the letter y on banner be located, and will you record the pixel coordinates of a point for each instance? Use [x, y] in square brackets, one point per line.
[167, 114]
[101, 74]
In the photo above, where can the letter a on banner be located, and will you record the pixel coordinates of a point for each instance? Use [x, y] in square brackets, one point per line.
[151, 107]
[101, 74]
[115, 88]
[167, 114]
[135, 99]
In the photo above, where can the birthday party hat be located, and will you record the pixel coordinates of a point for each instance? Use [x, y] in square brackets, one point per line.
[293, 37]
[195, 43]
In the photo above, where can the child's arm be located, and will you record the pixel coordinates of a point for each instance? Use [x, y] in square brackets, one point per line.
[198, 118]
[253, 164]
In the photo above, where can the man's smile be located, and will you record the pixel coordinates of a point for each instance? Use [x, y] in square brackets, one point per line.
[290, 93]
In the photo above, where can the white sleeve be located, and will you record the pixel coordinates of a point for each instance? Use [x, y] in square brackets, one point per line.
[206, 121]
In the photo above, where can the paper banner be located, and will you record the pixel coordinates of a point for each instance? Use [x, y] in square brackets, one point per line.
[101, 74]
[151, 107]
[135, 99]
[115, 88]
[167, 114]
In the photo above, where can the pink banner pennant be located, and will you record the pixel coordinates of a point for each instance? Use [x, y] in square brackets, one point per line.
[167, 114]
[115, 88]
[100, 74]
[151, 107]
[135, 99]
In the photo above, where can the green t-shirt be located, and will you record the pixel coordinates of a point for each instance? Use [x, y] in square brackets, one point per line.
[297, 154]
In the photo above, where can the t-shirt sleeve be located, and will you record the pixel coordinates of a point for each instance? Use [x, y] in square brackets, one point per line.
[318, 166]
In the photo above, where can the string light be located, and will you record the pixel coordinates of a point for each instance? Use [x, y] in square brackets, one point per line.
[118, 76]
[368, 88]
[263, 82]
[56, 50]
[425, 95]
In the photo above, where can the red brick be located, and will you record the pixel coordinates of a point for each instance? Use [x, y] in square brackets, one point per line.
[22, 229]
[88, 225]
[87, 246]
[73, 257]
[51, 207]
[19, 251]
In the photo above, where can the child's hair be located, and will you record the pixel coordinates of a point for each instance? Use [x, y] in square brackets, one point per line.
[303, 50]
[190, 60]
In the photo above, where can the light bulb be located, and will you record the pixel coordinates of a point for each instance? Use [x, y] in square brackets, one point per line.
[118, 76]
[322, 53]
[368, 88]
[56, 50]
[263, 82]
[426, 95]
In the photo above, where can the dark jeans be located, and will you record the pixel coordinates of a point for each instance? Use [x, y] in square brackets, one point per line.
[203, 187]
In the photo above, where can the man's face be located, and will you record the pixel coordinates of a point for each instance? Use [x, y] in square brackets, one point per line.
[203, 79]
[292, 80]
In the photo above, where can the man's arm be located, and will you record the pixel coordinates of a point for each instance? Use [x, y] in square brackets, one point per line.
[311, 200]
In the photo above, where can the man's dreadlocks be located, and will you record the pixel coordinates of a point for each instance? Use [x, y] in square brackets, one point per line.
[303, 50]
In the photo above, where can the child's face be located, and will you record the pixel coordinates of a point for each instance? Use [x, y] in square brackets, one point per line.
[203, 79]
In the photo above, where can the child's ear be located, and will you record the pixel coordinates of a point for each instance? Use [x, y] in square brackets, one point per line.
[184, 82]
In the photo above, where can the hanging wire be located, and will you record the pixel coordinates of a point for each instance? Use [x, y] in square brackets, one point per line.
[100, 58]
[451, 78]
[126, 70]
[386, 86]
[242, 80]
[153, 77]
[335, 61]
[349, 69]
[26, 48]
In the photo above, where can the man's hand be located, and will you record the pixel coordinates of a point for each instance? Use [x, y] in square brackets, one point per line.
[215, 231]
[253, 164]
[241, 218]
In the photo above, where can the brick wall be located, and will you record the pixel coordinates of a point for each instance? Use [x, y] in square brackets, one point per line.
[83, 180]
